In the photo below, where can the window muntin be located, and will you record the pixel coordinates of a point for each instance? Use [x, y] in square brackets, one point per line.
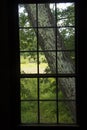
[43, 75]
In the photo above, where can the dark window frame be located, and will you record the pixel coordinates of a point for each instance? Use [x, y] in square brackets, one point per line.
[15, 76]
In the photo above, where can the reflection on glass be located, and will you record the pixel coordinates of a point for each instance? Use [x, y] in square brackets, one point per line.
[68, 85]
[48, 112]
[29, 112]
[67, 113]
[66, 62]
[28, 40]
[28, 88]
[47, 88]
[28, 62]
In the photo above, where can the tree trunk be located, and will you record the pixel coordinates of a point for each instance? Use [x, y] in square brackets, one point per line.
[48, 41]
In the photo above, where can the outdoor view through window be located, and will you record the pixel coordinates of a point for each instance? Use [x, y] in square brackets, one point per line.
[47, 63]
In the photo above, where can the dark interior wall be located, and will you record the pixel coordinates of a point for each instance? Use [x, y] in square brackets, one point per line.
[4, 67]
[7, 65]
[7, 77]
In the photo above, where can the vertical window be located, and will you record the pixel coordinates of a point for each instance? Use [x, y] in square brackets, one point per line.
[47, 63]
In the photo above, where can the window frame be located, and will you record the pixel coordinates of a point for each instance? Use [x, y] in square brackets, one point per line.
[15, 72]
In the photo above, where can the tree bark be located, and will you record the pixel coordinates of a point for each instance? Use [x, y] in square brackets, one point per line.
[48, 41]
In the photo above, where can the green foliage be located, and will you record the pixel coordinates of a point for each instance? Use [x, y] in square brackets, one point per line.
[23, 19]
[29, 112]
[27, 39]
[42, 58]
[48, 112]
[66, 17]
[47, 88]
[28, 88]
[64, 113]
[29, 109]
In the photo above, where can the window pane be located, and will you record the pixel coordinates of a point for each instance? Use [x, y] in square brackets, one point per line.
[28, 62]
[66, 62]
[28, 40]
[24, 16]
[44, 16]
[48, 112]
[29, 112]
[47, 62]
[43, 64]
[68, 37]
[66, 88]
[28, 88]
[47, 88]
[67, 113]
[65, 14]
[47, 35]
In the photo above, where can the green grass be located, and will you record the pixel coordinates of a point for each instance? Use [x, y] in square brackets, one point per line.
[30, 65]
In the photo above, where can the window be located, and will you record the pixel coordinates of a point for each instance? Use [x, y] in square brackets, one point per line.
[48, 63]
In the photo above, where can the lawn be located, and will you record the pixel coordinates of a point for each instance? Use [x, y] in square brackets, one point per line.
[32, 67]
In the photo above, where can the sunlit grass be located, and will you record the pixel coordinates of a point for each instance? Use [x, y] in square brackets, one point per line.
[32, 67]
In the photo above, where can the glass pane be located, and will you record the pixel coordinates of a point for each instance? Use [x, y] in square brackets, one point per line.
[43, 64]
[66, 62]
[24, 16]
[28, 88]
[48, 112]
[28, 40]
[66, 88]
[45, 18]
[28, 62]
[65, 14]
[47, 88]
[29, 112]
[67, 112]
[46, 39]
[47, 62]
[68, 36]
